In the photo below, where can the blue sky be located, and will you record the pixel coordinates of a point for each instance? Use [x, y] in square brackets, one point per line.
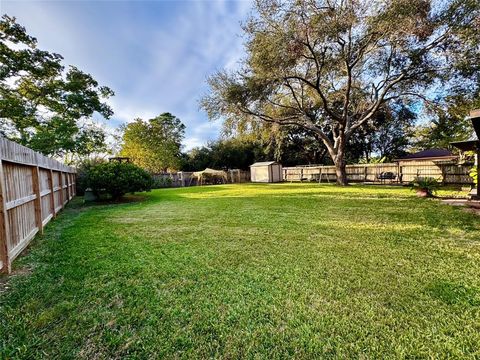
[155, 55]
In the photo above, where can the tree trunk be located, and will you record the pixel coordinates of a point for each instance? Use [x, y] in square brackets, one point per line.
[339, 160]
[337, 154]
[341, 171]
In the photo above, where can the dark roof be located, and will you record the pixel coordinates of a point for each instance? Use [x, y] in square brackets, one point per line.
[429, 153]
[473, 142]
[467, 145]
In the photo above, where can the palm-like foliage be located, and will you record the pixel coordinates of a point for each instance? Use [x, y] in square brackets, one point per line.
[425, 184]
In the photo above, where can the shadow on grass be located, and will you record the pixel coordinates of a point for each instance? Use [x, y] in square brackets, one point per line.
[451, 293]
[355, 204]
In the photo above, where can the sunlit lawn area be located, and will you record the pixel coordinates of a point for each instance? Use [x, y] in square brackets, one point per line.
[250, 271]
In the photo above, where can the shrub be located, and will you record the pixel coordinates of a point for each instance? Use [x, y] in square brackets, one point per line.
[82, 170]
[426, 185]
[116, 179]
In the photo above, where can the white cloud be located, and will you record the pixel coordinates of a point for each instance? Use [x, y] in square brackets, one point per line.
[156, 56]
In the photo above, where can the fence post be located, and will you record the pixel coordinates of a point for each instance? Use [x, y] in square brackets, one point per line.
[62, 197]
[74, 187]
[37, 203]
[477, 164]
[444, 176]
[4, 226]
[52, 194]
[67, 180]
[181, 178]
[70, 186]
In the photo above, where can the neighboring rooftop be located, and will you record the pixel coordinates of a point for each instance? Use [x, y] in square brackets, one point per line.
[430, 154]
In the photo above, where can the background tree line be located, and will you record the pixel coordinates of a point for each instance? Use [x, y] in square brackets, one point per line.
[329, 67]
[323, 82]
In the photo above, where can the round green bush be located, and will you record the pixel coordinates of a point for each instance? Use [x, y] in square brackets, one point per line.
[82, 170]
[117, 179]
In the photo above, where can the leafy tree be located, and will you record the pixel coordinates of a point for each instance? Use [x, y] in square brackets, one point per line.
[449, 123]
[329, 66]
[83, 167]
[154, 144]
[289, 147]
[294, 146]
[57, 135]
[386, 137]
[116, 179]
[43, 105]
[224, 154]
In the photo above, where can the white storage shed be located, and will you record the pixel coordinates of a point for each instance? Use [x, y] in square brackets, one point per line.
[266, 172]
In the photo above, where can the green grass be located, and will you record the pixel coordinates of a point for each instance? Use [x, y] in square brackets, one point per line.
[250, 271]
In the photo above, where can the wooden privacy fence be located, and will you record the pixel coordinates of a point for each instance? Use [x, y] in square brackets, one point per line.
[238, 176]
[447, 173]
[185, 178]
[33, 189]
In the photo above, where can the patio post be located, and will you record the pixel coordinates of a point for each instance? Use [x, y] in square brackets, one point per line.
[477, 164]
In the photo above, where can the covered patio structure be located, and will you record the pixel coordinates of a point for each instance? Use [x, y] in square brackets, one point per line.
[473, 144]
[210, 175]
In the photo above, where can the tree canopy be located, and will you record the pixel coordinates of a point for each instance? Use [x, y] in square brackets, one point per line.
[154, 144]
[448, 123]
[387, 136]
[330, 66]
[43, 105]
[233, 153]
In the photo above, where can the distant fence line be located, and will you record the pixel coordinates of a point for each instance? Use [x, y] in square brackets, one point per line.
[447, 173]
[403, 173]
[33, 189]
[186, 178]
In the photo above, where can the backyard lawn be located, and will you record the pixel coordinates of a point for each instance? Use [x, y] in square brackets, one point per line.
[250, 271]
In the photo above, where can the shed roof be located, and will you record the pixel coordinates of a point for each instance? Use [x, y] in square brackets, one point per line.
[429, 154]
[264, 163]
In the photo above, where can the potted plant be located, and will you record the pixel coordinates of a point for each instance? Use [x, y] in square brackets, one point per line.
[425, 186]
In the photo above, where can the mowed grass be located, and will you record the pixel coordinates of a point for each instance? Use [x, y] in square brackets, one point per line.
[250, 271]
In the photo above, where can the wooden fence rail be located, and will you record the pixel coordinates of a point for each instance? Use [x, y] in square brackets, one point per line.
[404, 173]
[185, 178]
[33, 189]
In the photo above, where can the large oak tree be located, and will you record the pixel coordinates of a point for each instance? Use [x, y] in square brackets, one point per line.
[328, 66]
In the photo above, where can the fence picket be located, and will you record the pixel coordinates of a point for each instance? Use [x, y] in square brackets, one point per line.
[27, 196]
[4, 224]
[404, 173]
